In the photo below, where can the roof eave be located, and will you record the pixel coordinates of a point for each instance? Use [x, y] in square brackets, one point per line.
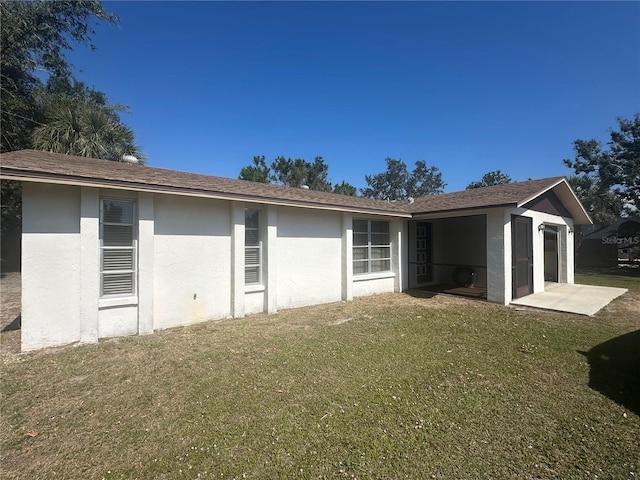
[41, 177]
[463, 209]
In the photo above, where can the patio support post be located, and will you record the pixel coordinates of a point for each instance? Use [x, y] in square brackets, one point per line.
[498, 251]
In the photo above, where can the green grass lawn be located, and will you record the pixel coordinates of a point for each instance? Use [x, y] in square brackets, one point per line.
[391, 386]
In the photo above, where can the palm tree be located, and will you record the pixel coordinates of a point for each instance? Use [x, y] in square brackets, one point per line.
[86, 129]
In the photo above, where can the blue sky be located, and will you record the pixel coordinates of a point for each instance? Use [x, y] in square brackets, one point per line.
[469, 87]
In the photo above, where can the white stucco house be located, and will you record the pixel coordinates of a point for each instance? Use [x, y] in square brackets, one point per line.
[112, 249]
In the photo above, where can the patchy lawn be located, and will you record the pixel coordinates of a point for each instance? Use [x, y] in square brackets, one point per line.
[391, 386]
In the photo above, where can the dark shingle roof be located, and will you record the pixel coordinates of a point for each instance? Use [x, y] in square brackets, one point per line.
[515, 194]
[58, 168]
[37, 166]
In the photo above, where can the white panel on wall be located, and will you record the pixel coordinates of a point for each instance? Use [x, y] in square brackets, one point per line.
[50, 265]
[363, 288]
[118, 321]
[192, 248]
[310, 257]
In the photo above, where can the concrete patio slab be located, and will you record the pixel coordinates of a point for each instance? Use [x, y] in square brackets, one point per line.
[571, 298]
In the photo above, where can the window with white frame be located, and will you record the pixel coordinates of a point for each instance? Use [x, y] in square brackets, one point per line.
[371, 246]
[252, 248]
[117, 247]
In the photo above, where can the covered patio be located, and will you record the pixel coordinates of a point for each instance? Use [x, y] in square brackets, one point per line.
[498, 243]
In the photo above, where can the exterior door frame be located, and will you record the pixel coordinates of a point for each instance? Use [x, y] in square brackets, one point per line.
[420, 253]
[521, 256]
[551, 253]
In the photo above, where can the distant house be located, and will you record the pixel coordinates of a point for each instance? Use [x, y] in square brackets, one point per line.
[112, 249]
[611, 245]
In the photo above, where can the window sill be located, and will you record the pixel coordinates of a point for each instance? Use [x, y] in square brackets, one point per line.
[127, 301]
[373, 276]
[253, 288]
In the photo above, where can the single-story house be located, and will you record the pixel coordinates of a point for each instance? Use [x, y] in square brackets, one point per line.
[111, 249]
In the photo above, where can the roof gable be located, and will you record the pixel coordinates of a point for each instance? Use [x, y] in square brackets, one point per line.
[548, 202]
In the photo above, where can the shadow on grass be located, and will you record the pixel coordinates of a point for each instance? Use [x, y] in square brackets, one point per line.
[433, 290]
[417, 293]
[15, 324]
[615, 370]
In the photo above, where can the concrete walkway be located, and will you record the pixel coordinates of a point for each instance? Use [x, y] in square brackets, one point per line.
[572, 298]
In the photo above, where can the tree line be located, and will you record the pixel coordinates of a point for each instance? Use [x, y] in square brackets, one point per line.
[394, 184]
[606, 178]
[397, 182]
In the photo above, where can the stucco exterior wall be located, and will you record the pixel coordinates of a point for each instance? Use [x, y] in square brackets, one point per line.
[51, 270]
[192, 260]
[254, 301]
[189, 263]
[373, 284]
[309, 264]
[118, 321]
[499, 250]
[146, 263]
[89, 264]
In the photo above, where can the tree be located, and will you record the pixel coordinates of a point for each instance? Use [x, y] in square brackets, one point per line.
[258, 172]
[317, 174]
[79, 126]
[607, 180]
[33, 37]
[345, 188]
[604, 207]
[289, 173]
[425, 181]
[625, 149]
[389, 185]
[397, 183]
[60, 115]
[299, 172]
[10, 200]
[489, 179]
